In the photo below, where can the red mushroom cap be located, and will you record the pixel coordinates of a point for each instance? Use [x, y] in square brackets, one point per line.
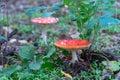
[72, 44]
[47, 20]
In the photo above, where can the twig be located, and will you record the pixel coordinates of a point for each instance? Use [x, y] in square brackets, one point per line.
[9, 36]
[109, 55]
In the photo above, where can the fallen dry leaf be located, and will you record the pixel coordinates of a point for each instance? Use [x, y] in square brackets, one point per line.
[66, 74]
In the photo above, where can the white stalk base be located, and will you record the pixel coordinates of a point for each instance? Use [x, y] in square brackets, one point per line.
[74, 57]
[44, 35]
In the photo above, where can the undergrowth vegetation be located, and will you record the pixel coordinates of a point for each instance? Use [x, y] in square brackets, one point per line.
[25, 56]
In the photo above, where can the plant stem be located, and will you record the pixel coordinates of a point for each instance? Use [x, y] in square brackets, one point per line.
[74, 57]
[44, 34]
[6, 12]
[2, 56]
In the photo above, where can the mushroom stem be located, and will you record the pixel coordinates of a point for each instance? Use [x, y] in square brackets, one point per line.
[74, 57]
[44, 34]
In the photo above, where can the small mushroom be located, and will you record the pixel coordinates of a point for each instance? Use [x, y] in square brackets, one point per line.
[45, 21]
[73, 45]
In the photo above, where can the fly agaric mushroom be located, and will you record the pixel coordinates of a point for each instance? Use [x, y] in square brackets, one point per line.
[45, 21]
[73, 46]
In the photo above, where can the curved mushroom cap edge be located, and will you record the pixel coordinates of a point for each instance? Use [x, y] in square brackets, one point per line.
[73, 44]
[47, 20]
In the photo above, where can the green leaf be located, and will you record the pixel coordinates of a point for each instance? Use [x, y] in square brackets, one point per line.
[104, 21]
[4, 78]
[49, 54]
[29, 12]
[48, 59]
[3, 38]
[27, 52]
[36, 65]
[65, 52]
[51, 51]
[72, 16]
[112, 65]
[10, 70]
[57, 5]
[24, 63]
[24, 74]
[46, 14]
[48, 65]
[71, 2]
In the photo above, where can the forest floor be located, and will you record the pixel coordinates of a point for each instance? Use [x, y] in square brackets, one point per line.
[108, 42]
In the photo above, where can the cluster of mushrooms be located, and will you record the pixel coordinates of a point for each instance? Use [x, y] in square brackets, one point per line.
[69, 44]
